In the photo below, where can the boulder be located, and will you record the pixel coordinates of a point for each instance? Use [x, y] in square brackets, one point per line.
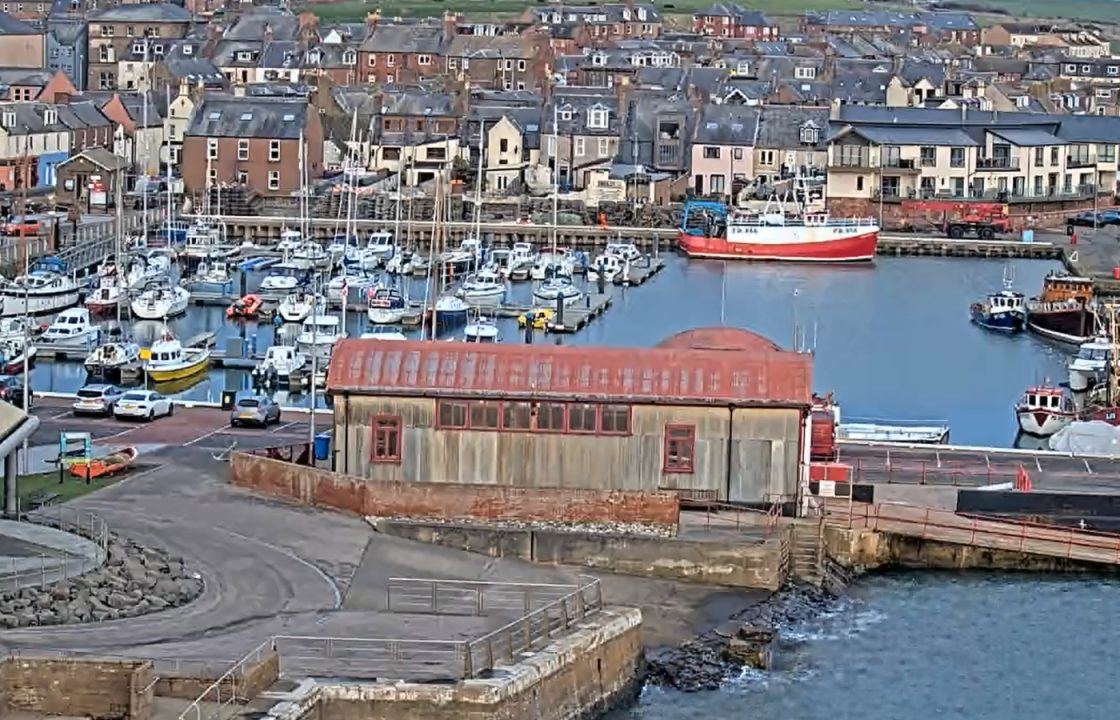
[45, 617]
[155, 602]
[167, 589]
[119, 601]
[8, 620]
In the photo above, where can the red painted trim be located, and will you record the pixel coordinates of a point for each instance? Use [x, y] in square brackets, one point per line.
[564, 429]
[394, 426]
[859, 248]
[679, 465]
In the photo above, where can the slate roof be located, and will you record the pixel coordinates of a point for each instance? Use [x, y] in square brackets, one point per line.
[902, 135]
[779, 126]
[284, 25]
[726, 125]
[11, 26]
[78, 115]
[417, 38]
[143, 12]
[889, 18]
[25, 76]
[579, 101]
[742, 15]
[637, 142]
[100, 157]
[29, 118]
[1028, 137]
[248, 118]
[482, 46]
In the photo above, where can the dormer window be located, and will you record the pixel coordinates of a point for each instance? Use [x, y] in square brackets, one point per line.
[137, 48]
[50, 116]
[598, 59]
[597, 118]
[642, 14]
[1071, 68]
[566, 114]
[244, 56]
[188, 49]
[805, 73]
[1023, 101]
[314, 57]
[743, 68]
[9, 119]
[349, 58]
[1086, 69]
[810, 134]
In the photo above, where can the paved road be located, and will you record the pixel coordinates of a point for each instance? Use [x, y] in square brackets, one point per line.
[942, 465]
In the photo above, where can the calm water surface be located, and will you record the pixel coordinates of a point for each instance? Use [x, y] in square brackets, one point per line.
[893, 340]
[933, 645]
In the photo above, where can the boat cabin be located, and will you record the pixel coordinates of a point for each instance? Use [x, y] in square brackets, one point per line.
[380, 240]
[1005, 301]
[166, 351]
[69, 324]
[1045, 398]
[1059, 288]
[385, 298]
[626, 251]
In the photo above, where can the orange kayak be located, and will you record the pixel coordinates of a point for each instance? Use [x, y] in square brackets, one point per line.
[99, 467]
[246, 307]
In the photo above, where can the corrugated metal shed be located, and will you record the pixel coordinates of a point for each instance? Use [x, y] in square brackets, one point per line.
[701, 367]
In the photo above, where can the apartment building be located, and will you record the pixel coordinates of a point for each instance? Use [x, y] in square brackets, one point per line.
[118, 32]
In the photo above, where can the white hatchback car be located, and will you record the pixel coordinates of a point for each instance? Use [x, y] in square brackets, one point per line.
[146, 404]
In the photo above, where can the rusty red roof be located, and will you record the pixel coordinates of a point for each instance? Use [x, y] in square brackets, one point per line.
[749, 370]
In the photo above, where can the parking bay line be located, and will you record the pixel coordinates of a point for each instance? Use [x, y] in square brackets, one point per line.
[212, 432]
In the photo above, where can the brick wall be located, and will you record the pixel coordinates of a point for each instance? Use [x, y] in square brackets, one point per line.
[255, 678]
[446, 501]
[99, 689]
[1043, 214]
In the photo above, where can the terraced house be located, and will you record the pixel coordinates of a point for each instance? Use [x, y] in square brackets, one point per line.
[113, 31]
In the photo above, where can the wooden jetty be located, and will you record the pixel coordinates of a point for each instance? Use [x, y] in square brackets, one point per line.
[576, 317]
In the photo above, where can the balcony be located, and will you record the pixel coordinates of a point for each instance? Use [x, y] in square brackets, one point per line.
[1057, 194]
[668, 154]
[906, 166]
[1079, 161]
[997, 164]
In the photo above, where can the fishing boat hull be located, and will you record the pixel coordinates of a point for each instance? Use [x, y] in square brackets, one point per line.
[179, 372]
[1073, 325]
[1041, 422]
[832, 244]
[1000, 320]
[107, 465]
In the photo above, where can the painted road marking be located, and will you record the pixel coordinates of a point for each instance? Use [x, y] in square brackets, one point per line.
[203, 437]
[116, 435]
[1087, 468]
[68, 413]
[278, 428]
[1037, 464]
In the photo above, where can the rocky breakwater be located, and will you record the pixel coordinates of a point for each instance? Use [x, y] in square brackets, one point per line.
[707, 661]
[134, 580]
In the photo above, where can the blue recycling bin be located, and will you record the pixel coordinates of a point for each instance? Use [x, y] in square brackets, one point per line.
[323, 446]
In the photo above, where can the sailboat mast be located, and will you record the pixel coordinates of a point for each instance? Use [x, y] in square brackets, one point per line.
[144, 124]
[118, 249]
[555, 172]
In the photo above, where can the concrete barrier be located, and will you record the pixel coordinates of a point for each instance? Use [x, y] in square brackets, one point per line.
[249, 683]
[446, 501]
[94, 688]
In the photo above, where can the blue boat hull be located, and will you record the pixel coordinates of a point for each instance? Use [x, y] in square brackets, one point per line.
[1004, 321]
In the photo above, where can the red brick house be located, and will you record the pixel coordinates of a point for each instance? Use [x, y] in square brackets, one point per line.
[403, 54]
[729, 20]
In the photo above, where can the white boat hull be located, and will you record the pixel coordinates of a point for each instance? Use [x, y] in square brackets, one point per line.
[386, 316]
[1041, 423]
[484, 298]
[39, 303]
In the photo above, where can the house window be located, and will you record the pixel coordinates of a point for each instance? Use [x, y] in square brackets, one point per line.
[810, 135]
[242, 149]
[1106, 153]
[274, 151]
[680, 449]
[213, 176]
[766, 157]
[737, 153]
[928, 156]
[242, 177]
[452, 414]
[717, 184]
[517, 415]
[711, 153]
[614, 420]
[1039, 157]
[1113, 69]
[1053, 156]
[805, 73]
[273, 179]
[582, 418]
[551, 417]
[452, 63]
[859, 183]
[390, 60]
[350, 57]
[956, 157]
[386, 439]
[484, 415]
[424, 59]
[212, 148]
[597, 118]
[580, 146]
[521, 65]
[373, 61]
[604, 147]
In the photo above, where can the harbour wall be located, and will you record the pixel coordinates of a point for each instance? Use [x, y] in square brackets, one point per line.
[745, 563]
[93, 688]
[446, 501]
[580, 675]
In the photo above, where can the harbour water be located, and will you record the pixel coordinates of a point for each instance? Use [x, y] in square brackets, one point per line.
[892, 339]
[932, 645]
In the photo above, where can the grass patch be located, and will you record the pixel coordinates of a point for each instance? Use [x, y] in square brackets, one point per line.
[31, 486]
[1107, 11]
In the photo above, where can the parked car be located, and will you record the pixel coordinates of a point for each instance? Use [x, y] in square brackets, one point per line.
[11, 391]
[22, 226]
[97, 399]
[256, 410]
[1090, 218]
[146, 404]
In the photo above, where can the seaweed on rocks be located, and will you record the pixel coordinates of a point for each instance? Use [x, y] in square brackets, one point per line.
[700, 663]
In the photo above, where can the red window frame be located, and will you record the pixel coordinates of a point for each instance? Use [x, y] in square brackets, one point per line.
[465, 405]
[564, 427]
[593, 407]
[627, 411]
[386, 431]
[682, 438]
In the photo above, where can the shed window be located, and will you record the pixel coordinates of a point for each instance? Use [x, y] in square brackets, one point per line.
[615, 420]
[550, 416]
[581, 418]
[680, 448]
[452, 414]
[517, 416]
[484, 416]
[386, 439]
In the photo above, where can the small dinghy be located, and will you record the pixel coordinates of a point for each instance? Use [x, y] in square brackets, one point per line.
[106, 465]
[246, 307]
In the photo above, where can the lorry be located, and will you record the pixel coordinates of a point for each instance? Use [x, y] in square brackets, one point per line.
[962, 218]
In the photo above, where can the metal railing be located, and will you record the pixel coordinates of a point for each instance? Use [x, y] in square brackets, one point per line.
[981, 531]
[724, 515]
[534, 629]
[372, 658]
[467, 597]
[58, 566]
[228, 688]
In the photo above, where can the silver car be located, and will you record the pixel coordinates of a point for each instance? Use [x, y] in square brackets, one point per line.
[256, 410]
[97, 399]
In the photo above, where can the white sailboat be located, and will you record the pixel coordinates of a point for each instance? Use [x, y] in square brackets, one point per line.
[318, 334]
[111, 359]
[297, 306]
[158, 302]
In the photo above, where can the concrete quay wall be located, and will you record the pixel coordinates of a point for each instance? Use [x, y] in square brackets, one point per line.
[580, 675]
[93, 688]
[729, 564]
[446, 501]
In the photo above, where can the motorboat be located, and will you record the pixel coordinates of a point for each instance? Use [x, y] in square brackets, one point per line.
[111, 360]
[14, 353]
[71, 327]
[483, 289]
[159, 301]
[318, 334]
[611, 267]
[385, 305]
[558, 289]
[482, 329]
[498, 262]
[522, 256]
[342, 285]
[1091, 366]
[464, 257]
[280, 361]
[289, 240]
[297, 306]
[19, 327]
[106, 296]
[173, 232]
[45, 289]
[915, 434]
[343, 249]
[383, 333]
[212, 275]
[624, 251]
[168, 360]
[380, 247]
[1003, 311]
[245, 308]
[550, 265]
[1065, 311]
[1044, 410]
[205, 238]
[400, 262]
[310, 255]
[283, 278]
[450, 313]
